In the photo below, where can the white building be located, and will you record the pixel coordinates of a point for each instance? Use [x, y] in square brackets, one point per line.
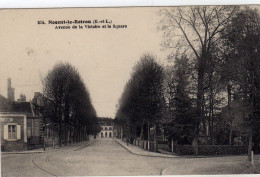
[107, 128]
[106, 131]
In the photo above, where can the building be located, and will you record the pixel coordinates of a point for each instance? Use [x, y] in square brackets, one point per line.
[50, 129]
[107, 128]
[20, 122]
[20, 127]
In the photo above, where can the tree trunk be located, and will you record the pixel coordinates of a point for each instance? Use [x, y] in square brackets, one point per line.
[201, 72]
[87, 134]
[148, 135]
[155, 139]
[250, 145]
[74, 132]
[70, 134]
[204, 121]
[230, 136]
[172, 147]
[195, 145]
[135, 132]
[229, 111]
[60, 135]
[65, 134]
[122, 132]
[142, 131]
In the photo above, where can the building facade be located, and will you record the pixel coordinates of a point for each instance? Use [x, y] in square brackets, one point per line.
[20, 123]
[107, 128]
[106, 131]
[20, 127]
[13, 131]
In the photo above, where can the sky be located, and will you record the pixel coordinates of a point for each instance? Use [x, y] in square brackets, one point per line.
[103, 57]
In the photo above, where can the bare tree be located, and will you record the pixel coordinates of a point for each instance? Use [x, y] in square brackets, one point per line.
[195, 29]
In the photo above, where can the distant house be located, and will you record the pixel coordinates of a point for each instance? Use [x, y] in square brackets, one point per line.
[107, 128]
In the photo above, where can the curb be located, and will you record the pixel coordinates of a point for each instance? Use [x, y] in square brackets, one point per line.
[23, 152]
[84, 145]
[165, 170]
[145, 155]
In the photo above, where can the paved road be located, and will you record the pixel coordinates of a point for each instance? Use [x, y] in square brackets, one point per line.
[20, 165]
[106, 157]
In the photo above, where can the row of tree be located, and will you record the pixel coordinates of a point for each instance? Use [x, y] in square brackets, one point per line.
[211, 94]
[142, 101]
[68, 104]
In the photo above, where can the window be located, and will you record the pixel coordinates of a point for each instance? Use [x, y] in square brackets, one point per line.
[110, 128]
[105, 128]
[12, 132]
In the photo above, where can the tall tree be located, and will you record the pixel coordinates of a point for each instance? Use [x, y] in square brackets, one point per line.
[142, 100]
[195, 29]
[181, 109]
[69, 104]
[242, 46]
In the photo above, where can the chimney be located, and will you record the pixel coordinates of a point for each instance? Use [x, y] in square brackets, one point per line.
[22, 98]
[10, 90]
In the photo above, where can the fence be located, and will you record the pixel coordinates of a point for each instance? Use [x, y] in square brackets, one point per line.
[188, 149]
[211, 150]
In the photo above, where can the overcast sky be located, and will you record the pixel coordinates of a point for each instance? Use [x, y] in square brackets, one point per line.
[104, 57]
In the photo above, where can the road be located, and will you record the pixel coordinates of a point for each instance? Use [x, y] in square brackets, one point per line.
[105, 157]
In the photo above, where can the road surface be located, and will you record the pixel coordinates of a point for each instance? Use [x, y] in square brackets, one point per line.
[106, 157]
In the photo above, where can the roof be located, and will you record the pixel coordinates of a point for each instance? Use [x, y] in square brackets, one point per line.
[15, 107]
[4, 103]
[105, 121]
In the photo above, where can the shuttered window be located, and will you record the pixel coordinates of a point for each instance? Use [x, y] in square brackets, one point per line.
[12, 132]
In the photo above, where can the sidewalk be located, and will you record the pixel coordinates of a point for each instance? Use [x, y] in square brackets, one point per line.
[138, 151]
[215, 166]
[50, 148]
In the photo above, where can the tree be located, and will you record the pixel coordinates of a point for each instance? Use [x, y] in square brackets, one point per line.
[241, 42]
[195, 29]
[69, 104]
[181, 108]
[141, 103]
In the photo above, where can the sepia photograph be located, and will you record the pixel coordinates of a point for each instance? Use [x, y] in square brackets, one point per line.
[130, 91]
